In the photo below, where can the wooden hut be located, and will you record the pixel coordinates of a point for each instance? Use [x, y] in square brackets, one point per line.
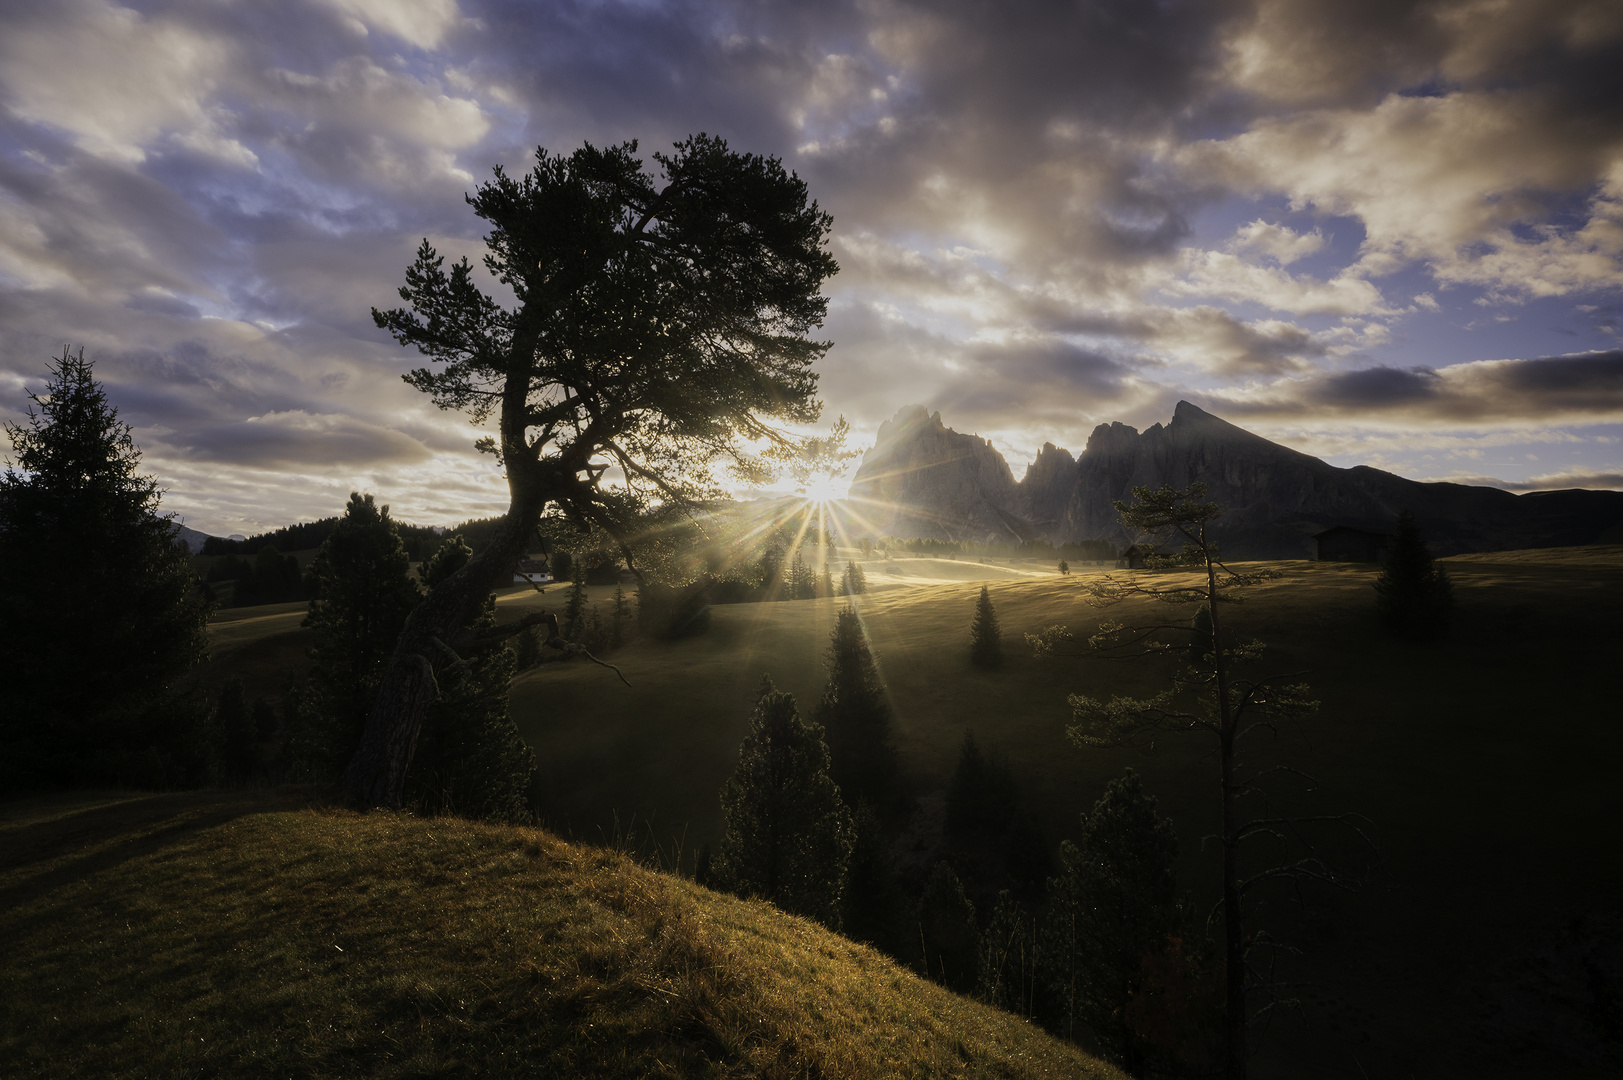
[1343, 543]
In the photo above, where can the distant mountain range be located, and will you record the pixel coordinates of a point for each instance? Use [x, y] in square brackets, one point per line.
[924, 479]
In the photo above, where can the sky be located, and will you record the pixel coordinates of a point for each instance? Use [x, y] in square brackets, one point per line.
[1379, 232]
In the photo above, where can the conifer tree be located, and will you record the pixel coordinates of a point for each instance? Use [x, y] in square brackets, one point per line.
[1113, 903]
[982, 794]
[949, 938]
[471, 761]
[574, 627]
[1414, 595]
[856, 582]
[855, 713]
[1008, 957]
[622, 615]
[363, 595]
[100, 612]
[800, 578]
[788, 833]
[985, 636]
[873, 908]
[236, 726]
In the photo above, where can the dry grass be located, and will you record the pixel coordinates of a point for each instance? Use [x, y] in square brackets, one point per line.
[257, 934]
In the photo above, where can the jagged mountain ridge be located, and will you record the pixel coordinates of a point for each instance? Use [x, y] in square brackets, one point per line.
[924, 479]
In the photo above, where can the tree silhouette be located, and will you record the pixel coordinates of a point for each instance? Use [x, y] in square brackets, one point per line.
[363, 595]
[100, 613]
[949, 938]
[655, 328]
[1211, 697]
[472, 761]
[855, 713]
[1113, 902]
[985, 637]
[788, 833]
[1414, 595]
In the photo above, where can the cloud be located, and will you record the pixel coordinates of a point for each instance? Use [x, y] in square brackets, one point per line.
[1279, 242]
[1464, 182]
[1578, 388]
[1217, 273]
[295, 439]
[1564, 481]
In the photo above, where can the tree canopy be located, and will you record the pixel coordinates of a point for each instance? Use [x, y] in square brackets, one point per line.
[658, 331]
[99, 609]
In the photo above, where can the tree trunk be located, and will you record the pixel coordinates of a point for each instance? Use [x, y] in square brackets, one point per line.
[1233, 928]
[376, 775]
[1234, 1020]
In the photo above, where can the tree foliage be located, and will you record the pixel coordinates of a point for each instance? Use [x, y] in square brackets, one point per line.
[855, 712]
[100, 613]
[853, 582]
[363, 595]
[472, 760]
[659, 325]
[1413, 594]
[1113, 903]
[985, 636]
[949, 936]
[788, 834]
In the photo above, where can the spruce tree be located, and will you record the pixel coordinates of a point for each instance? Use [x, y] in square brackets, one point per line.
[985, 636]
[825, 584]
[471, 759]
[622, 615]
[1414, 595]
[855, 581]
[873, 899]
[788, 832]
[100, 613]
[949, 938]
[982, 795]
[1008, 957]
[1113, 903]
[574, 623]
[855, 713]
[800, 578]
[362, 596]
[236, 726]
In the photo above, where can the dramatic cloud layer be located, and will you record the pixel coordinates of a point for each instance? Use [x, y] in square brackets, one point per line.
[1387, 233]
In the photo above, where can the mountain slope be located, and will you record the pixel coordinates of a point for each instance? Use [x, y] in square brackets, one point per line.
[923, 479]
[248, 935]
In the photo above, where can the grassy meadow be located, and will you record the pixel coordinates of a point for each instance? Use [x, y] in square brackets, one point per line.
[1485, 764]
[257, 934]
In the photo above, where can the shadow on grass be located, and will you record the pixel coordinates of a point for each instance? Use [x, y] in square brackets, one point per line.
[117, 833]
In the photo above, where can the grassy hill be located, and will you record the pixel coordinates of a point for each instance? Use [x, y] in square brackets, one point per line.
[1486, 945]
[262, 935]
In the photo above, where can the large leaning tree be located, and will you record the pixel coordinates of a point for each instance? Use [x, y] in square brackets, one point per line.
[658, 327]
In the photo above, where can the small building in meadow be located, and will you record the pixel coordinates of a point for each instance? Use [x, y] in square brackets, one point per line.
[531, 570]
[1137, 556]
[1343, 543]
